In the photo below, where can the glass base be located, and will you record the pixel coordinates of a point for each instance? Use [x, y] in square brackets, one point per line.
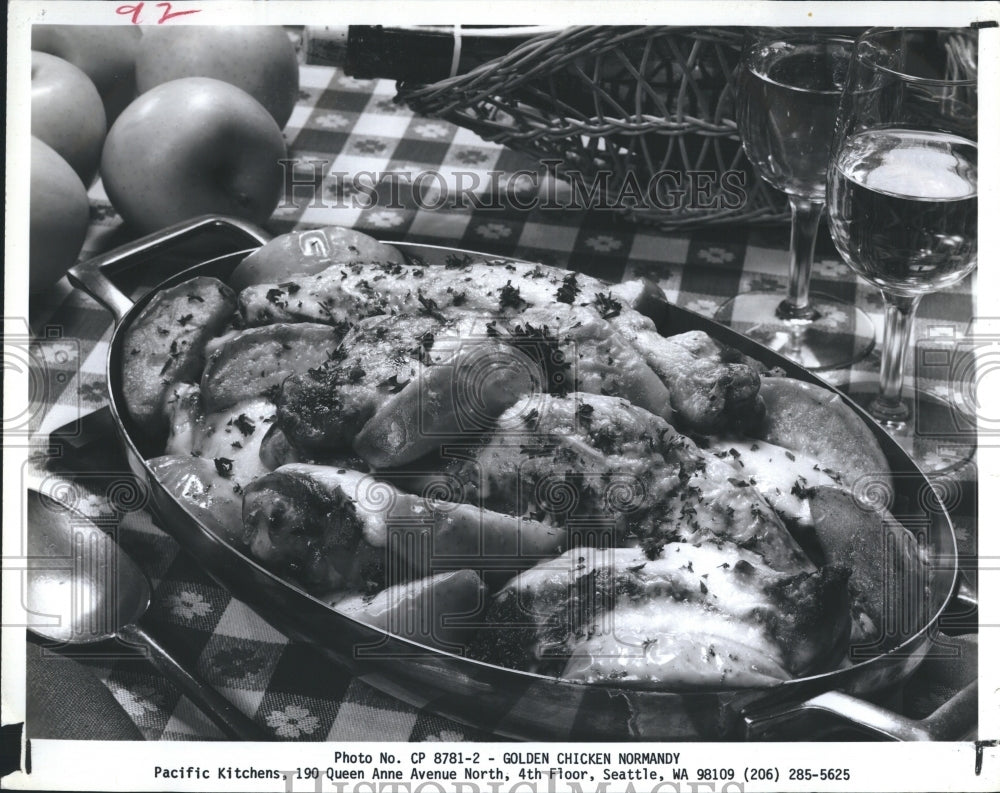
[839, 335]
[940, 435]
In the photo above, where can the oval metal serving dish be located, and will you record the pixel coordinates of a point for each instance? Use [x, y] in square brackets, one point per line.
[503, 701]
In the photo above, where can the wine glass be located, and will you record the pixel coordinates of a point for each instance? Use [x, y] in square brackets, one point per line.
[902, 192]
[789, 86]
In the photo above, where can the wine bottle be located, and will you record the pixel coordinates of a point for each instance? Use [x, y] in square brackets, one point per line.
[628, 82]
[415, 54]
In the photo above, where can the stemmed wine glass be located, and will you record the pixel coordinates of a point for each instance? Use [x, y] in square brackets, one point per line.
[902, 192]
[789, 86]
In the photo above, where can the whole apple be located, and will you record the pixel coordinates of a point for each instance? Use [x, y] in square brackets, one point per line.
[105, 53]
[67, 113]
[259, 59]
[191, 147]
[60, 214]
[310, 251]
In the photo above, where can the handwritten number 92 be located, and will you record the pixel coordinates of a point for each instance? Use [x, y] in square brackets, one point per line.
[135, 10]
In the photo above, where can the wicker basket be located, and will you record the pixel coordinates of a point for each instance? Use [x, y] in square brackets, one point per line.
[620, 104]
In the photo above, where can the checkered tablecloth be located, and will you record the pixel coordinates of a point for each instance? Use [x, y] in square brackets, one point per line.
[354, 126]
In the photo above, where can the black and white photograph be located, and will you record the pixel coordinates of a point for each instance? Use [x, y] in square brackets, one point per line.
[466, 398]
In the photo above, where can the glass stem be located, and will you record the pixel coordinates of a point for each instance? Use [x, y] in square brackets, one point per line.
[806, 215]
[888, 407]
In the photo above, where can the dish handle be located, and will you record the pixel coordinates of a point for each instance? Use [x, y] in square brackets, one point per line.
[93, 275]
[954, 720]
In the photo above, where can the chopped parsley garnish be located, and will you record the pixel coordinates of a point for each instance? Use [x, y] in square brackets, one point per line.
[172, 355]
[456, 262]
[510, 297]
[429, 307]
[541, 346]
[800, 488]
[607, 306]
[336, 354]
[224, 466]
[244, 424]
[605, 440]
[569, 289]
[834, 475]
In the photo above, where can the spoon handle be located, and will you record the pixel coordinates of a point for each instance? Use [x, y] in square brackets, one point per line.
[221, 711]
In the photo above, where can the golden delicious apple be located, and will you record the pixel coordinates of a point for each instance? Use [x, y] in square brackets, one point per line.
[60, 214]
[105, 53]
[67, 113]
[190, 147]
[260, 59]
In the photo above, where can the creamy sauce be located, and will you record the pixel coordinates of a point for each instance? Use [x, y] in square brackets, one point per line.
[231, 438]
[781, 476]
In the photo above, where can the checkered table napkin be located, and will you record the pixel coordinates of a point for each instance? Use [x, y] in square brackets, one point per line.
[353, 126]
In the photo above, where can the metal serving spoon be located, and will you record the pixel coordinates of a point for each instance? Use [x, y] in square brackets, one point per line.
[83, 589]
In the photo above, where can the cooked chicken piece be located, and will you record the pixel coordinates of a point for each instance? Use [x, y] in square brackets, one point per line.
[692, 616]
[599, 360]
[416, 380]
[710, 387]
[335, 529]
[326, 407]
[591, 460]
